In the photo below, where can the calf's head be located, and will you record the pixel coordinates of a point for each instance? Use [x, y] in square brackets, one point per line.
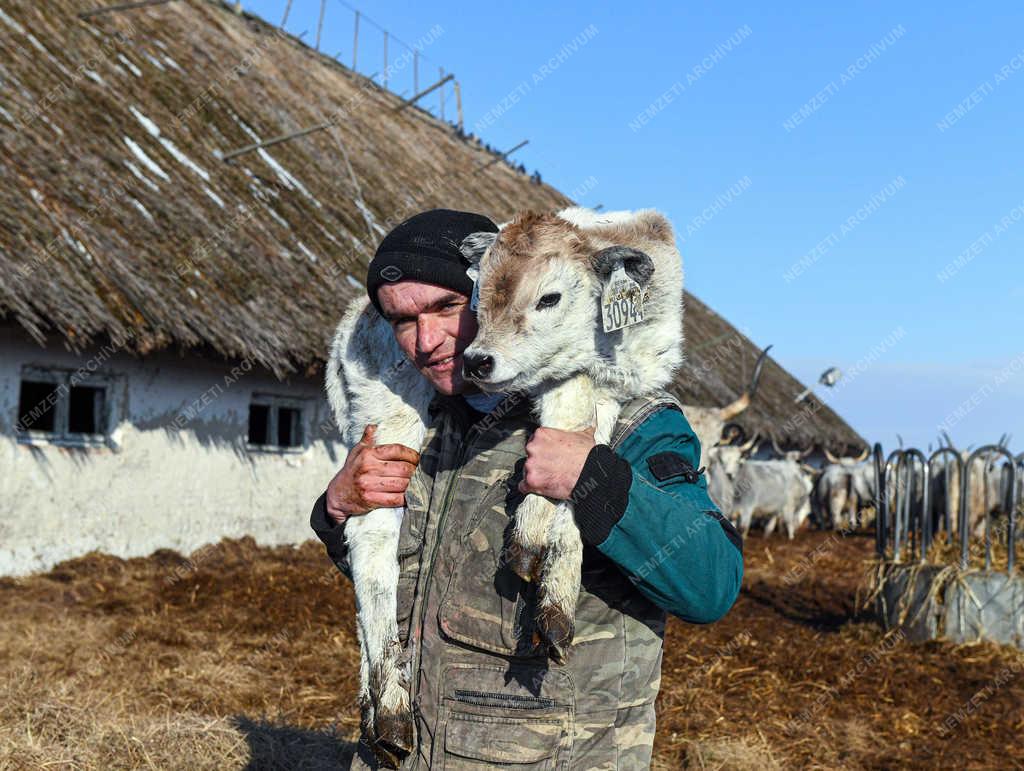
[539, 316]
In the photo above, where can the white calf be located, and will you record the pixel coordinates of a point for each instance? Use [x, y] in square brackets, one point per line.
[582, 311]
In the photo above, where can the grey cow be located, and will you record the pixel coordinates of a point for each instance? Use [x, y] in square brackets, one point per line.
[844, 488]
[724, 461]
[771, 490]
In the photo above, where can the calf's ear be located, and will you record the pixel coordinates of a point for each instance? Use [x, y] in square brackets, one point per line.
[475, 245]
[639, 266]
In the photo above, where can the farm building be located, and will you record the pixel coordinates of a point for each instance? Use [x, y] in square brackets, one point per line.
[164, 313]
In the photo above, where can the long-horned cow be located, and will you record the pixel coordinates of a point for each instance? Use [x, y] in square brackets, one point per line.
[771, 490]
[846, 485]
[794, 455]
[708, 423]
[724, 461]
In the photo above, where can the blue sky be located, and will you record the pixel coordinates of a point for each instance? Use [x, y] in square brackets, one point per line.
[845, 179]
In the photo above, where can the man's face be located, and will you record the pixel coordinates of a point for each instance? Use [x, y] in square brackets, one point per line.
[433, 325]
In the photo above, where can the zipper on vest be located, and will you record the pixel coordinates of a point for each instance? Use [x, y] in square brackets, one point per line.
[449, 494]
[512, 700]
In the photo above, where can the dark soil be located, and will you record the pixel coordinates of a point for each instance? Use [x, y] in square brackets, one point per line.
[795, 676]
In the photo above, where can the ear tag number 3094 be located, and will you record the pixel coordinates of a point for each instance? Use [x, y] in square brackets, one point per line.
[622, 302]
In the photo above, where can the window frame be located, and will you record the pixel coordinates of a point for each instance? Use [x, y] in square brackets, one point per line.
[275, 403]
[61, 436]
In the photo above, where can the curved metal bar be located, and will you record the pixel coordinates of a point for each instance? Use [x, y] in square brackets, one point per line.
[1011, 518]
[965, 483]
[948, 513]
[890, 514]
[1019, 473]
[904, 482]
[901, 462]
[1020, 481]
[923, 530]
[881, 507]
[904, 479]
[892, 466]
[895, 467]
[962, 525]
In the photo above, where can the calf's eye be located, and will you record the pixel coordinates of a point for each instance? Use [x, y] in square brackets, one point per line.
[549, 300]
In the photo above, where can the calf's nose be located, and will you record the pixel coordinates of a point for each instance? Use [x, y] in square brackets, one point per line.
[478, 366]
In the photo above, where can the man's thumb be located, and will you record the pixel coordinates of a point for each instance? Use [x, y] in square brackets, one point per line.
[368, 434]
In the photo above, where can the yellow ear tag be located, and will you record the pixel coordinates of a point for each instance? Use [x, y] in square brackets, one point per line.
[622, 303]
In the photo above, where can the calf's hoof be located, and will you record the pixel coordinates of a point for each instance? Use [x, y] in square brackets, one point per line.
[556, 629]
[385, 757]
[366, 720]
[394, 737]
[525, 561]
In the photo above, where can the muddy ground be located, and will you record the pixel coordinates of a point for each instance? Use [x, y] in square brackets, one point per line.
[246, 657]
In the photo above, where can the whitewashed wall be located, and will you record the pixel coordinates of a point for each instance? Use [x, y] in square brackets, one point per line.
[177, 477]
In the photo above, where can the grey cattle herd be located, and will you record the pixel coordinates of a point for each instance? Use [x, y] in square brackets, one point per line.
[757, 488]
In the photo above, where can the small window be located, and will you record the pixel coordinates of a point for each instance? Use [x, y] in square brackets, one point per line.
[288, 427]
[276, 424]
[259, 424]
[85, 410]
[37, 406]
[54, 406]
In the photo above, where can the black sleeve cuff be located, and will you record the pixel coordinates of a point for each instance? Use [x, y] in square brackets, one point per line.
[601, 494]
[328, 531]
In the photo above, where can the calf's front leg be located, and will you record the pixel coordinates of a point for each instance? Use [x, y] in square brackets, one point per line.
[384, 697]
[569, 406]
[563, 564]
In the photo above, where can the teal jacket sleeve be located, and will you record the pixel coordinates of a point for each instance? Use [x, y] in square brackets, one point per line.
[646, 508]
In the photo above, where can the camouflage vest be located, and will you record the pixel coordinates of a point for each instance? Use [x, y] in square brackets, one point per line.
[483, 694]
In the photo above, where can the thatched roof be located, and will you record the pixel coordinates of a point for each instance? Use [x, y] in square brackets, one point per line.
[119, 218]
[720, 361]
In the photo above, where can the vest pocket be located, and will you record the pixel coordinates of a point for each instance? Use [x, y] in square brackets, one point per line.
[406, 593]
[509, 715]
[478, 742]
[486, 605]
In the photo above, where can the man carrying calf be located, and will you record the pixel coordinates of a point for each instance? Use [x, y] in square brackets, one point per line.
[483, 690]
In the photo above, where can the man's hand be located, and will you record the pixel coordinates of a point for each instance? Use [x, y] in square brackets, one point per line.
[372, 478]
[554, 460]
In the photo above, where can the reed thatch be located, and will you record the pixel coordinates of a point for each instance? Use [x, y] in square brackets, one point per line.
[120, 220]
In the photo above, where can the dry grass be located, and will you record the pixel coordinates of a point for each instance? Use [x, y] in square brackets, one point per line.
[742, 754]
[249, 660]
[941, 552]
[150, 664]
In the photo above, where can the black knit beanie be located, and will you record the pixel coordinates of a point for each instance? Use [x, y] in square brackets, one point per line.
[426, 248]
